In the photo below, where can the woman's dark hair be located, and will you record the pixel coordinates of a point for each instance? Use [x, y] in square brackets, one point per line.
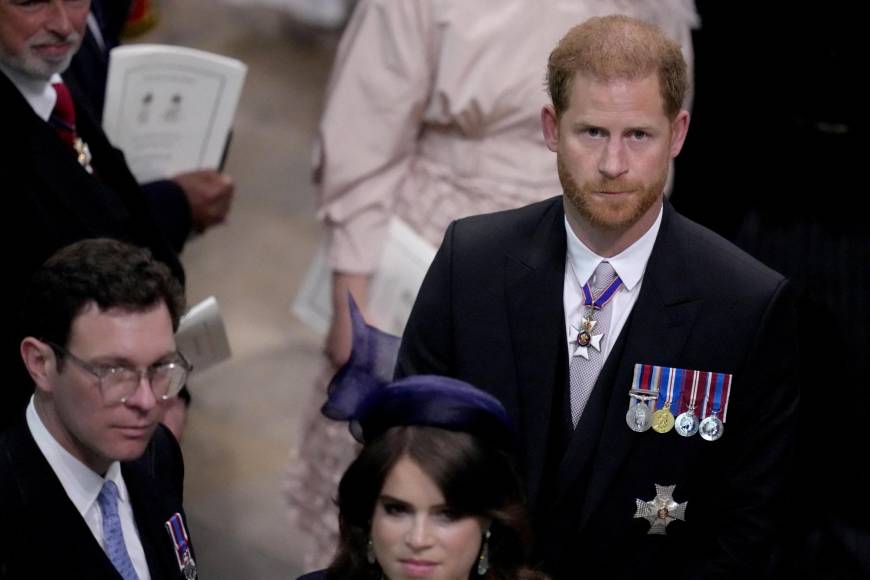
[476, 478]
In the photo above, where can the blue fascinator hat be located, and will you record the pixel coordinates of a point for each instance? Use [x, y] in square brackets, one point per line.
[363, 393]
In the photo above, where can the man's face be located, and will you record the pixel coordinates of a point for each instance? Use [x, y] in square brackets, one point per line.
[614, 144]
[94, 431]
[38, 38]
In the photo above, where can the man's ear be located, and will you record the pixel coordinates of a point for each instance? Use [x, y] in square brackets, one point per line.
[679, 130]
[41, 362]
[550, 126]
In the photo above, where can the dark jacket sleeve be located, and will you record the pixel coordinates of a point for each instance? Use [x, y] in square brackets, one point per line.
[171, 211]
[426, 342]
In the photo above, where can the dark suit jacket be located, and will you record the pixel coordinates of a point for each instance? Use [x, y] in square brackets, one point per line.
[51, 201]
[44, 536]
[86, 78]
[490, 312]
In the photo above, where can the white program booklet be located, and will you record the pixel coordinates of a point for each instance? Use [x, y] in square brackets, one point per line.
[202, 337]
[404, 263]
[170, 108]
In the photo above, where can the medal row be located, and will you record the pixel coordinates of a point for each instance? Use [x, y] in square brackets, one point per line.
[687, 401]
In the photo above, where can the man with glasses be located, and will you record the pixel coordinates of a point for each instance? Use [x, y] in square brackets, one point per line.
[61, 177]
[90, 482]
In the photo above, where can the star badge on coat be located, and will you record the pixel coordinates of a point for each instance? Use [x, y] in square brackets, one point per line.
[661, 510]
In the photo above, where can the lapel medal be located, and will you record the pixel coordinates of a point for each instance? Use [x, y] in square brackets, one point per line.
[181, 542]
[655, 390]
[687, 422]
[644, 390]
[712, 426]
[639, 417]
[83, 154]
[660, 510]
[584, 339]
[663, 419]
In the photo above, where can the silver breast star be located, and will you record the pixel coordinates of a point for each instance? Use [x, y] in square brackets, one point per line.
[661, 510]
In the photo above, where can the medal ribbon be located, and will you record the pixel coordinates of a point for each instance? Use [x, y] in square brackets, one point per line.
[175, 527]
[717, 391]
[638, 372]
[705, 409]
[721, 395]
[646, 378]
[688, 398]
[692, 404]
[603, 298]
[657, 382]
[720, 401]
[675, 379]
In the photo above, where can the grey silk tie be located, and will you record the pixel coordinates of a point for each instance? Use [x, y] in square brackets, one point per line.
[584, 372]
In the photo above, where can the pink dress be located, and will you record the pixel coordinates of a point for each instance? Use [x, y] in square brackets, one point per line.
[432, 114]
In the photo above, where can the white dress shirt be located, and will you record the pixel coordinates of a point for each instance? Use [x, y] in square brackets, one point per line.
[83, 485]
[38, 93]
[630, 264]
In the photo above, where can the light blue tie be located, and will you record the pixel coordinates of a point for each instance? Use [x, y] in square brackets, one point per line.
[113, 535]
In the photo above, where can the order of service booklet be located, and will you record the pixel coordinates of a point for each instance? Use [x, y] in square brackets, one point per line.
[170, 108]
[202, 336]
[393, 289]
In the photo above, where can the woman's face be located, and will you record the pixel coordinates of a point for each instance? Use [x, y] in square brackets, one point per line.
[414, 533]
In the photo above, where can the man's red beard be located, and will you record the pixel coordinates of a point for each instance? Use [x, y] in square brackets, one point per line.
[617, 213]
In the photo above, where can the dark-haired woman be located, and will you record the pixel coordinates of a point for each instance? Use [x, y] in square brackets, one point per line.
[434, 492]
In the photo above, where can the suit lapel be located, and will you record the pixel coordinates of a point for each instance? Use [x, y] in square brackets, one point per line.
[55, 522]
[151, 510]
[655, 333]
[56, 164]
[534, 280]
[71, 204]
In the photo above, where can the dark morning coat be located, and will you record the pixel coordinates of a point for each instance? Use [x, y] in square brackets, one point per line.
[44, 536]
[50, 201]
[490, 312]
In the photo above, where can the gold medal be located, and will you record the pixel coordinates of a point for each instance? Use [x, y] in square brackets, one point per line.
[663, 420]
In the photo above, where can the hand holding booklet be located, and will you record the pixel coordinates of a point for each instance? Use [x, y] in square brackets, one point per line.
[170, 108]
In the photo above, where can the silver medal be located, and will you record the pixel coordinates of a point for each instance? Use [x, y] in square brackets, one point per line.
[639, 417]
[189, 569]
[687, 424]
[711, 428]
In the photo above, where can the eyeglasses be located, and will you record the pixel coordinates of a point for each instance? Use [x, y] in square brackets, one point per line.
[118, 383]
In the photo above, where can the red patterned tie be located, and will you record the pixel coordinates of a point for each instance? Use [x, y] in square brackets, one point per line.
[63, 117]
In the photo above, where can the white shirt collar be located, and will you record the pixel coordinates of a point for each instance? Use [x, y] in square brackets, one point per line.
[80, 482]
[38, 92]
[629, 264]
